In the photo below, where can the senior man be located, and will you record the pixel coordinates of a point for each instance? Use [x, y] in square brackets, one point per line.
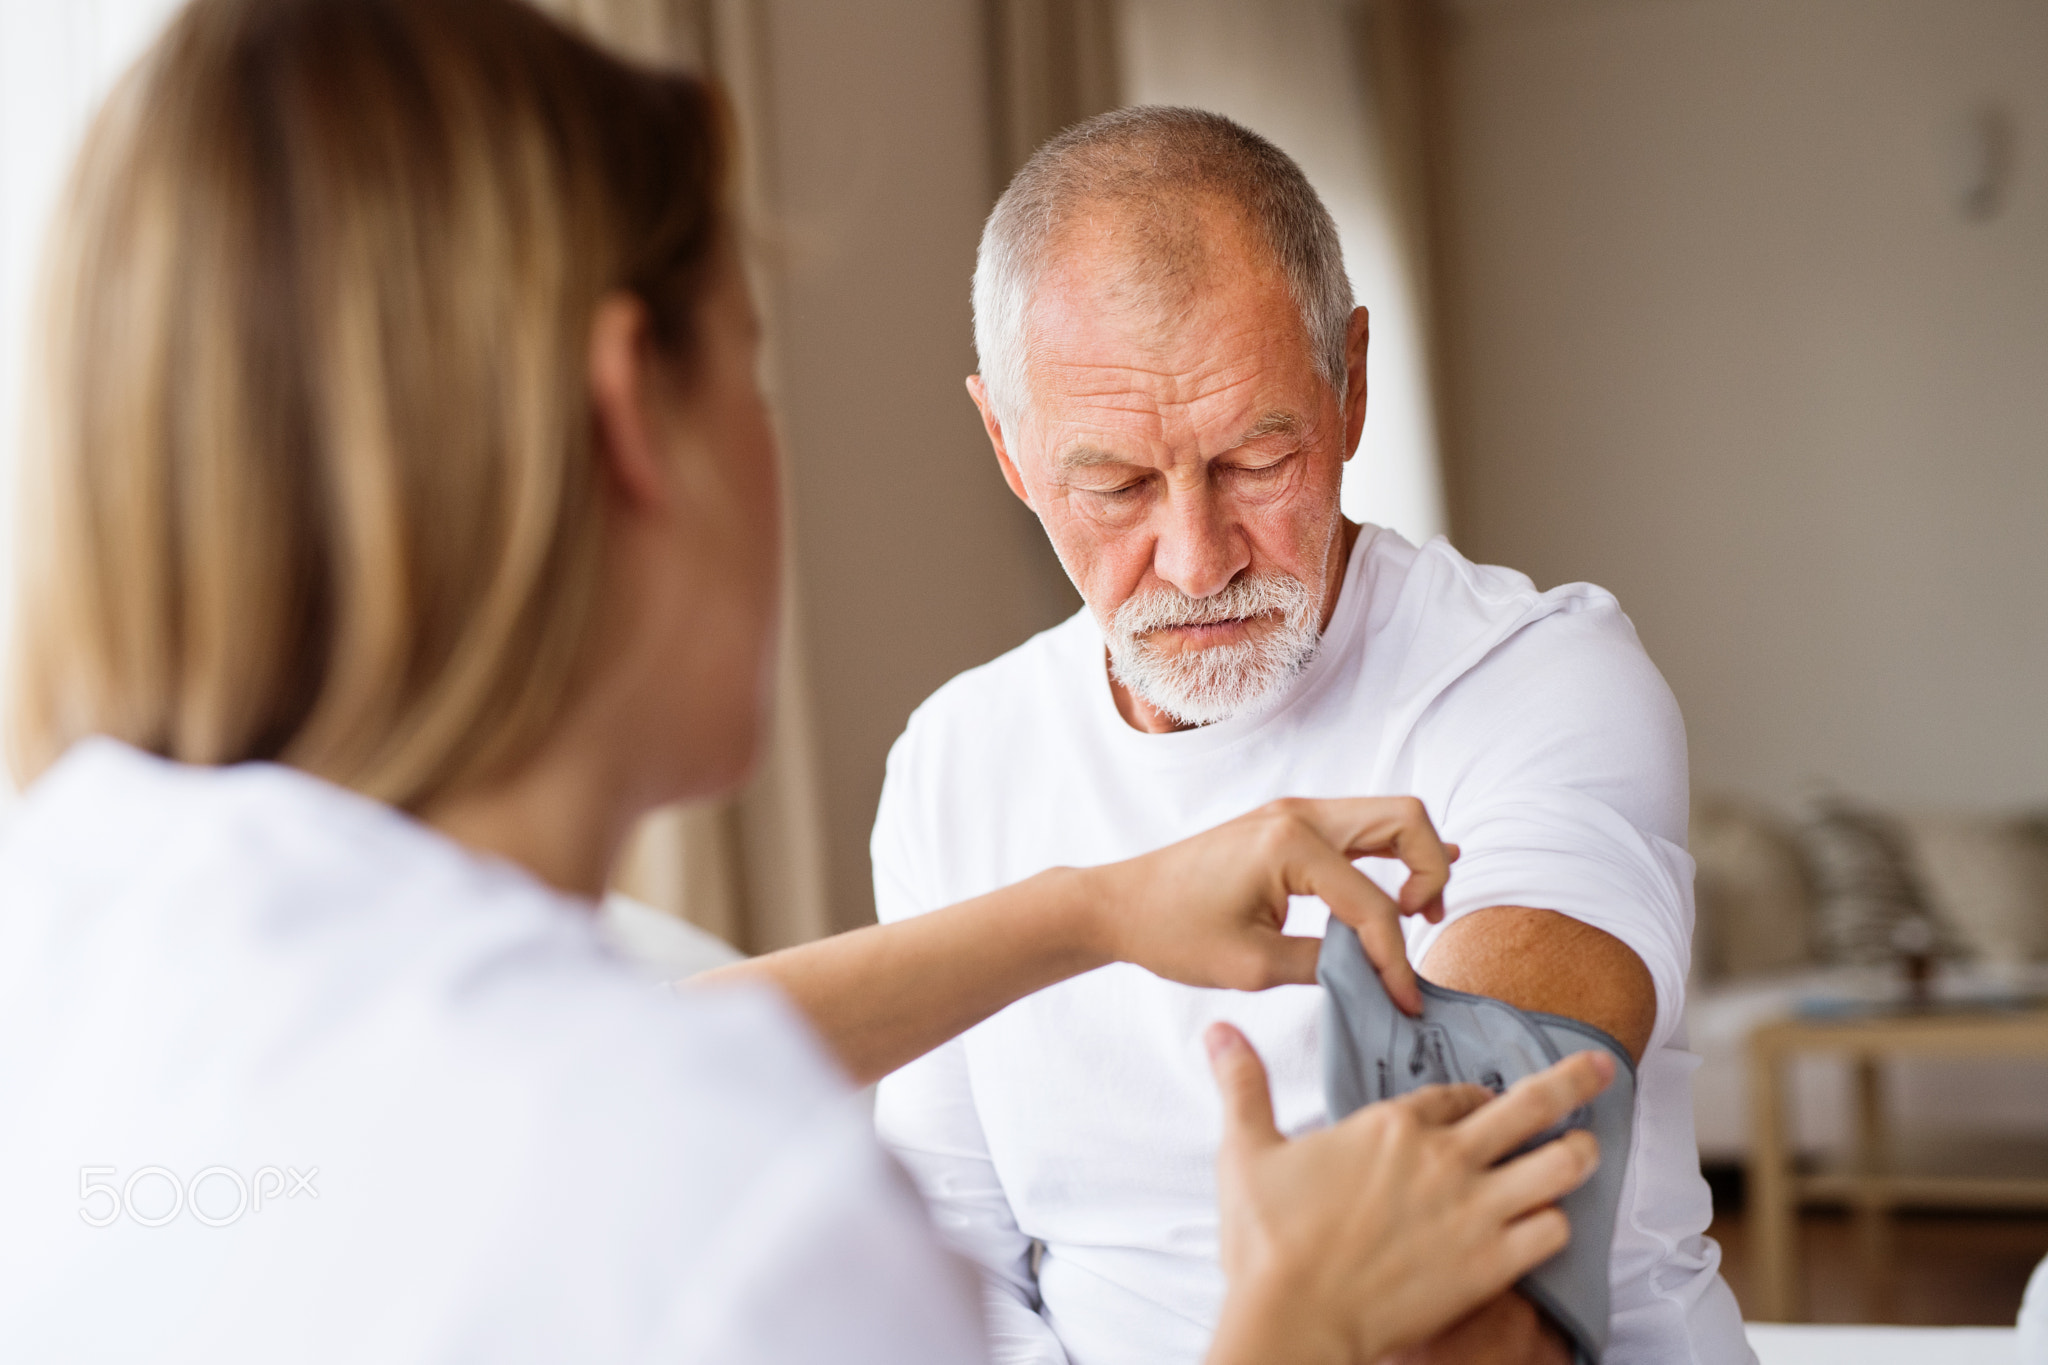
[1173, 376]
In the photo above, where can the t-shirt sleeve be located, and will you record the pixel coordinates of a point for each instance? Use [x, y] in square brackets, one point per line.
[902, 871]
[1562, 773]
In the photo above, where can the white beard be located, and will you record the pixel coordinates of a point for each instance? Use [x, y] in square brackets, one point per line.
[1203, 686]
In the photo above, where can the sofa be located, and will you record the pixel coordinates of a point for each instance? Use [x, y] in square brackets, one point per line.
[1832, 904]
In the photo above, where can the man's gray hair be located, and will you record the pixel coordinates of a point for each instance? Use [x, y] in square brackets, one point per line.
[1154, 166]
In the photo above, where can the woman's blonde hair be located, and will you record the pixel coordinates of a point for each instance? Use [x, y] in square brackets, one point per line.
[313, 479]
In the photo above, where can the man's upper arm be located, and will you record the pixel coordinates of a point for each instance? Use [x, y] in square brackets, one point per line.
[1542, 960]
[1568, 794]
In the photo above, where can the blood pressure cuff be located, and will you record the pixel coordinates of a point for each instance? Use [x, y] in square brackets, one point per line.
[1373, 1051]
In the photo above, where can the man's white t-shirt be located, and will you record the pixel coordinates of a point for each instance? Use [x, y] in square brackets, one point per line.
[1077, 1130]
[390, 1101]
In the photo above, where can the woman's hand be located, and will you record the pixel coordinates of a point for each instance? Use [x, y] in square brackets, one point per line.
[1208, 911]
[1378, 1232]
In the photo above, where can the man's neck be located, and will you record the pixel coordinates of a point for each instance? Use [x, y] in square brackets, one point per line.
[1140, 714]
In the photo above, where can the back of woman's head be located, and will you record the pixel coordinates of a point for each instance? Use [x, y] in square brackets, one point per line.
[313, 479]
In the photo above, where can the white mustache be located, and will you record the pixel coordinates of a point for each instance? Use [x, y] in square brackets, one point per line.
[1242, 599]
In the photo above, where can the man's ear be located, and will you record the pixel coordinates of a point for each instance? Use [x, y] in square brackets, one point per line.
[979, 393]
[1355, 343]
[623, 390]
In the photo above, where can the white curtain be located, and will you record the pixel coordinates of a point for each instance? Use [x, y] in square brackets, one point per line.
[1295, 71]
[57, 59]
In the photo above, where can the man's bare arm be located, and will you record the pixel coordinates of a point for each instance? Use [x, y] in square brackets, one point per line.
[1541, 960]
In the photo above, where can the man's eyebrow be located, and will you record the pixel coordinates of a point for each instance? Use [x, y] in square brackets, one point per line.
[1279, 422]
[1276, 423]
[1086, 457]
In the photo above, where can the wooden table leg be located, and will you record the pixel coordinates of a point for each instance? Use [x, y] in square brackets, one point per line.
[1774, 1247]
[1873, 1209]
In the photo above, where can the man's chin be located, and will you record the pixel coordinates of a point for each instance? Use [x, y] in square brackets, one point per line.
[1216, 681]
[1208, 702]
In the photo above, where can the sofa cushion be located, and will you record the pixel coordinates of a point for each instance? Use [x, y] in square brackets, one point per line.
[1987, 879]
[1866, 886]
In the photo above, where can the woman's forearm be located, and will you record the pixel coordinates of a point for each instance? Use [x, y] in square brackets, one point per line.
[883, 996]
[1207, 911]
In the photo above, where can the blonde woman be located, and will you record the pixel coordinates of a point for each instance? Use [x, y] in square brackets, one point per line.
[403, 527]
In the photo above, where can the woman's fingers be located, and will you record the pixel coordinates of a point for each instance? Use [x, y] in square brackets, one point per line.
[1528, 1242]
[1443, 1230]
[1440, 1106]
[1433, 909]
[1354, 898]
[1543, 1176]
[1388, 827]
[1211, 910]
[1534, 1103]
[1241, 1081]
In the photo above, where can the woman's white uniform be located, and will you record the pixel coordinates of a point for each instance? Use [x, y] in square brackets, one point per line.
[285, 1075]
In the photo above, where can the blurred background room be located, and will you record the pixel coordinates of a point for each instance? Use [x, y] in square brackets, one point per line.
[1738, 308]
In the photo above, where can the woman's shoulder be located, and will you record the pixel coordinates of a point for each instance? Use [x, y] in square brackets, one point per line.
[505, 1125]
[272, 924]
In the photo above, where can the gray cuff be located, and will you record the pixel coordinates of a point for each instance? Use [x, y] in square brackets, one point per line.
[1372, 1051]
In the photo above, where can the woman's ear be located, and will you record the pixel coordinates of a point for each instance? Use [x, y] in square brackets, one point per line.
[623, 392]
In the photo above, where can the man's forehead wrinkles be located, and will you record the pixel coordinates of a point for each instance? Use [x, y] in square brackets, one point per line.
[1113, 387]
[1135, 388]
[1078, 380]
[1163, 361]
[1094, 404]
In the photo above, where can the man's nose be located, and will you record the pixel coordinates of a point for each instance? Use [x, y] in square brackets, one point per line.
[1199, 549]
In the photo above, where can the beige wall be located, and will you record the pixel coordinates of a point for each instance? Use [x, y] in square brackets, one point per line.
[1724, 343]
[913, 560]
